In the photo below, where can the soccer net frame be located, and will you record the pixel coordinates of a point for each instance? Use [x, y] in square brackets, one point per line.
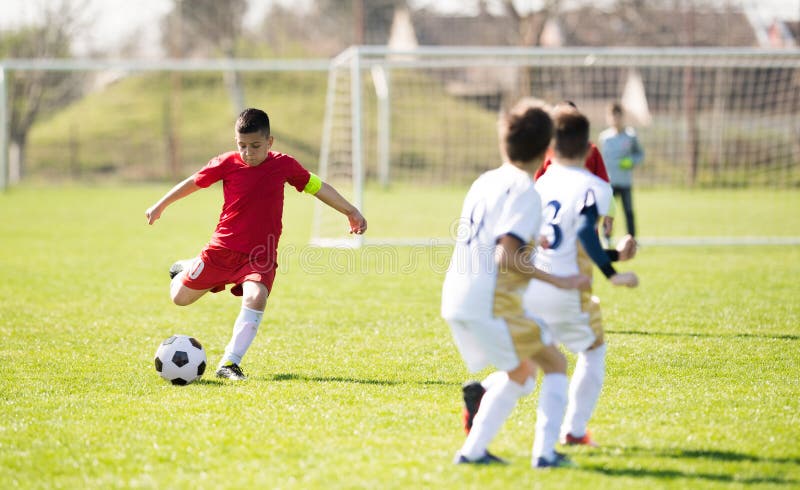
[707, 117]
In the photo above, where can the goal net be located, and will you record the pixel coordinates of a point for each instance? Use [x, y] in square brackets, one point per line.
[402, 128]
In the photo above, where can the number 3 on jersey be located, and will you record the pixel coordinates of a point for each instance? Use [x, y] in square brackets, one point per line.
[552, 221]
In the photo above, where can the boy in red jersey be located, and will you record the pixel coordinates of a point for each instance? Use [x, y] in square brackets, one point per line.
[243, 249]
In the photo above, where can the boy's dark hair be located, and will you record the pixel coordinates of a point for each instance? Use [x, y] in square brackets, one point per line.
[252, 121]
[572, 134]
[616, 108]
[525, 131]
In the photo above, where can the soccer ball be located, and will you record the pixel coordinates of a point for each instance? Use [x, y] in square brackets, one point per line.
[180, 359]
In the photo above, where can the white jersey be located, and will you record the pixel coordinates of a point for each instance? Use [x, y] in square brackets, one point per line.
[565, 191]
[500, 202]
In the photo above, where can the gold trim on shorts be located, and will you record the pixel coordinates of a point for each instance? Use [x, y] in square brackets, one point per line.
[526, 334]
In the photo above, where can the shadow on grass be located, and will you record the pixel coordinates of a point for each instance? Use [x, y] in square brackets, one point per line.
[209, 382]
[675, 474]
[683, 454]
[342, 379]
[695, 454]
[709, 335]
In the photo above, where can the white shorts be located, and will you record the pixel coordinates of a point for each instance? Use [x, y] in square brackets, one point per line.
[563, 313]
[497, 341]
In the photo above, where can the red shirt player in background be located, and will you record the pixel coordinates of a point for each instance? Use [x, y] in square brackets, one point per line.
[243, 249]
[594, 163]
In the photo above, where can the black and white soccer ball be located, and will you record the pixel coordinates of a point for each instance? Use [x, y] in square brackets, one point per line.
[180, 359]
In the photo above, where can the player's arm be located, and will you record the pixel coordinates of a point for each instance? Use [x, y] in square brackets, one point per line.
[180, 191]
[626, 248]
[608, 219]
[330, 196]
[591, 244]
[512, 254]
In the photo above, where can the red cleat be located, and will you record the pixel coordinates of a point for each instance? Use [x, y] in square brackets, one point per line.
[584, 440]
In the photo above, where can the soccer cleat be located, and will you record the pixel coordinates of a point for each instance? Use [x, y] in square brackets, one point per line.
[559, 461]
[473, 393]
[584, 440]
[231, 371]
[176, 269]
[487, 458]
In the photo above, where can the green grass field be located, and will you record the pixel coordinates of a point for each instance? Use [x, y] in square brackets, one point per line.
[355, 382]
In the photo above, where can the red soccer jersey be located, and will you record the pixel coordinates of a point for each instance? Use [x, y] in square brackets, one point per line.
[250, 221]
[594, 163]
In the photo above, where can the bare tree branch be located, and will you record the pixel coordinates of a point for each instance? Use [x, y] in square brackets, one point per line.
[33, 93]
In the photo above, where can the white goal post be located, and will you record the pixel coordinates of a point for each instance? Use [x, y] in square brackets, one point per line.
[425, 119]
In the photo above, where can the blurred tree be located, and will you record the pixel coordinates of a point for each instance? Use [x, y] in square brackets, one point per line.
[369, 22]
[329, 26]
[32, 94]
[531, 24]
[209, 28]
[286, 30]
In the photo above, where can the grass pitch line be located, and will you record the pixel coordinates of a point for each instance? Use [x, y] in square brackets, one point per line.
[722, 241]
[678, 241]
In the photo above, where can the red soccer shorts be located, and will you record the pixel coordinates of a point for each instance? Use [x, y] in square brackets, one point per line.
[217, 267]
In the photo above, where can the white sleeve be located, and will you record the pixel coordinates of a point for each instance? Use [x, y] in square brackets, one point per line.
[603, 195]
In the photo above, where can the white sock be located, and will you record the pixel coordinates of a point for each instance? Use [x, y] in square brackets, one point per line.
[175, 283]
[244, 331]
[584, 390]
[493, 378]
[549, 414]
[496, 406]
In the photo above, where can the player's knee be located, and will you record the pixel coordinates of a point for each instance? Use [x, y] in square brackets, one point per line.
[523, 372]
[256, 300]
[183, 297]
[254, 296]
[559, 365]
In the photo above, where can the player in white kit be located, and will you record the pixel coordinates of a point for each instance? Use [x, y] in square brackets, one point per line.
[573, 200]
[482, 293]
